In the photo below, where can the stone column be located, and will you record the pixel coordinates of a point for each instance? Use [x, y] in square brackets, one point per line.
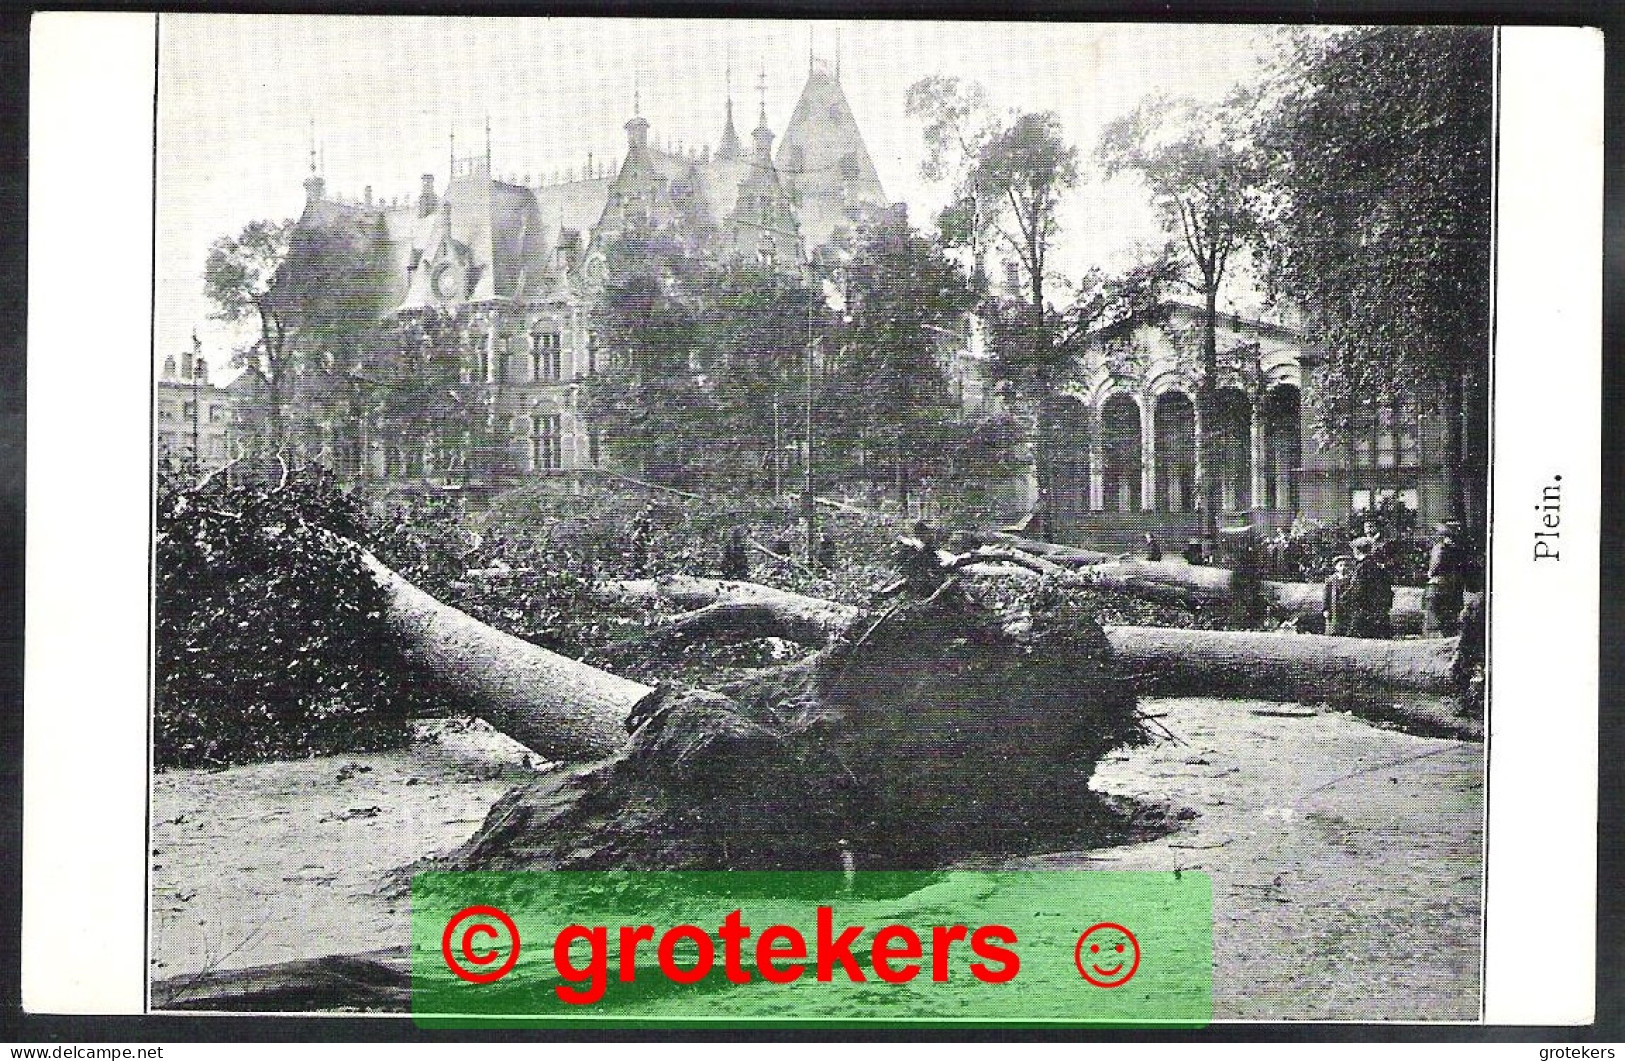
[1256, 454]
[1148, 454]
[1097, 460]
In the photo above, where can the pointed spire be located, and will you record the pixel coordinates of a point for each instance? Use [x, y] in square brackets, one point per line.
[453, 158]
[315, 186]
[809, 50]
[728, 147]
[837, 53]
[637, 127]
[488, 143]
[762, 136]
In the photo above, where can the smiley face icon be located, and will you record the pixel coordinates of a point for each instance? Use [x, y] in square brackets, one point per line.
[1107, 955]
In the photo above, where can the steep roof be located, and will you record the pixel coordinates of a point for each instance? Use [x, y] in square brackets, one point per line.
[825, 162]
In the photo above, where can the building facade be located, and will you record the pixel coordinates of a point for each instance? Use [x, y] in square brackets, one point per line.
[191, 416]
[514, 266]
[1123, 438]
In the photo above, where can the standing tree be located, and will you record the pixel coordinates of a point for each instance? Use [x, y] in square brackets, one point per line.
[318, 288]
[1380, 146]
[1204, 177]
[238, 278]
[649, 396]
[333, 292]
[414, 390]
[1009, 179]
[755, 323]
[904, 296]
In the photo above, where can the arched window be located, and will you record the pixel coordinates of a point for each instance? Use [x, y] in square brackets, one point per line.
[1176, 453]
[1120, 448]
[1283, 447]
[1232, 449]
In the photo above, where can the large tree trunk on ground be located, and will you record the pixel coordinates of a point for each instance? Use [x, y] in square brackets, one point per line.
[563, 709]
[1060, 554]
[1265, 665]
[1181, 583]
[1282, 666]
[690, 591]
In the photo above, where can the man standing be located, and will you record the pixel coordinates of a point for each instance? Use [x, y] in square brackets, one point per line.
[1335, 610]
[1447, 570]
[735, 560]
[1370, 594]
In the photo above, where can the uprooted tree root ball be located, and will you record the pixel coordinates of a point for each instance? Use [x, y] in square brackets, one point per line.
[940, 729]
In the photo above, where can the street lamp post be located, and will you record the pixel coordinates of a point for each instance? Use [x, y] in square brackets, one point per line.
[808, 504]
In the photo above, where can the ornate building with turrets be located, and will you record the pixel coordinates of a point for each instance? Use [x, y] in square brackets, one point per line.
[514, 266]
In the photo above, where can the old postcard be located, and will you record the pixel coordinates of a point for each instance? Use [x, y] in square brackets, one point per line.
[910, 522]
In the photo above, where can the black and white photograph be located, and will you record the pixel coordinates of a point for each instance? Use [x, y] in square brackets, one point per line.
[731, 445]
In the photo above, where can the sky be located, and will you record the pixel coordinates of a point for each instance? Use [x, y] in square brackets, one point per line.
[242, 98]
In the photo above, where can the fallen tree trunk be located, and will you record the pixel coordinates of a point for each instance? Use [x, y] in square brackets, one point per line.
[1253, 664]
[1282, 666]
[559, 707]
[1178, 583]
[692, 591]
[571, 711]
[1060, 554]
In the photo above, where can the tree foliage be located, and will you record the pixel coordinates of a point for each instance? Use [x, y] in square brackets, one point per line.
[758, 323]
[1204, 175]
[267, 638]
[1008, 178]
[907, 302]
[411, 385]
[239, 275]
[318, 289]
[1379, 144]
[649, 397]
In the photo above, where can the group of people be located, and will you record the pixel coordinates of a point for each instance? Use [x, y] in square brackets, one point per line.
[736, 555]
[1359, 598]
[1359, 595]
[1194, 552]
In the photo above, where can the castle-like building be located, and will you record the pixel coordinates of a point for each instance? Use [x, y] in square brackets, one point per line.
[516, 268]
[517, 264]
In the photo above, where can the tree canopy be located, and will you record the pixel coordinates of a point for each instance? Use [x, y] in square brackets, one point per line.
[1203, 173]
[1379, 148]
[907, 302]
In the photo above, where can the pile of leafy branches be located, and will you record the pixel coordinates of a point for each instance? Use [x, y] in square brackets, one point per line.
[267, 640]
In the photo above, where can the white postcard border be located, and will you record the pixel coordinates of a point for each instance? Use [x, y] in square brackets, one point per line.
[89, 389]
